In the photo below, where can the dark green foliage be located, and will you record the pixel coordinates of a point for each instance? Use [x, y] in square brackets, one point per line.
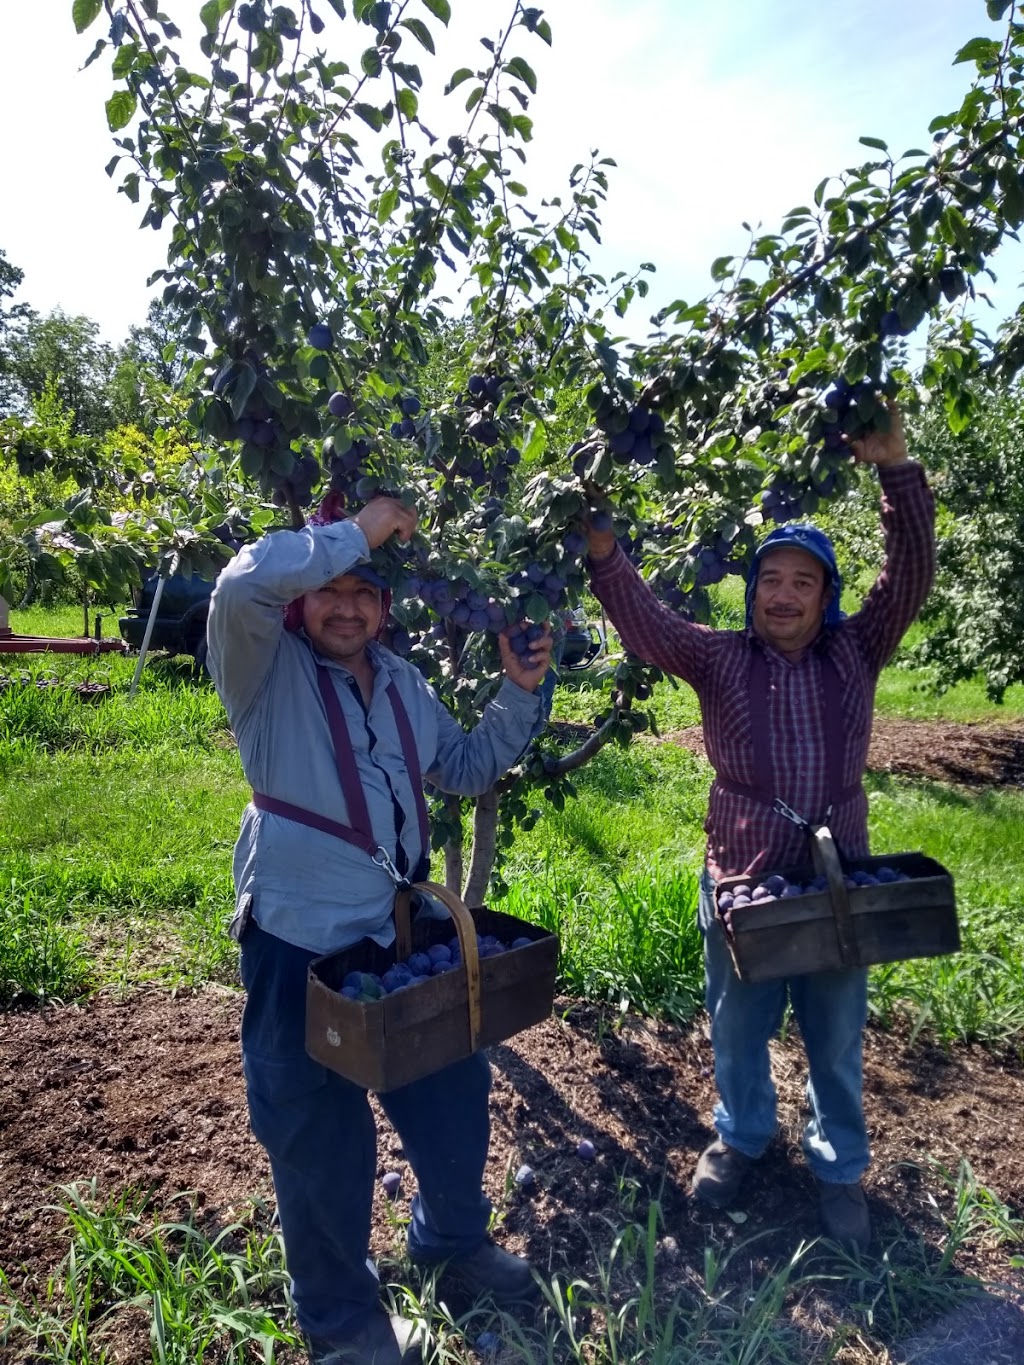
[975, 615]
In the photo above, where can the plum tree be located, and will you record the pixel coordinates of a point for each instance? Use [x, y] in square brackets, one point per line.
[310, 267]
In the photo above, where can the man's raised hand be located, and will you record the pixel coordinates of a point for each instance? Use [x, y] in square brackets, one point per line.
[527, 670]
[883, 447]
[384, 517]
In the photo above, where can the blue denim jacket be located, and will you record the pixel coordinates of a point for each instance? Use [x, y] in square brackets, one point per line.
[307, 887]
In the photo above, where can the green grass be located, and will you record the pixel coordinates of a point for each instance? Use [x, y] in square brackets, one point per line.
[120, 815]
[65, 621]
[177, 1291]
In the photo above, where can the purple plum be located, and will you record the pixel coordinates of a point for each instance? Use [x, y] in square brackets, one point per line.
[391, 1183]
[439, 952]
[585, 1150]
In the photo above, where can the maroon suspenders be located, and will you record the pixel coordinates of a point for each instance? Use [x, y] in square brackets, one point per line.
[359, 831]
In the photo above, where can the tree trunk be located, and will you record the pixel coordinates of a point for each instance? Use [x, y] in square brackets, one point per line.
[453, 848]
[485, 831]
[5, 619]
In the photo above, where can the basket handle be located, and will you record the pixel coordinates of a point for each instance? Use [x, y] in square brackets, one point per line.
[826, 860]
[465, 927]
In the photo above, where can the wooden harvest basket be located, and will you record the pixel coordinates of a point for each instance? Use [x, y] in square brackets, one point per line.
[390, 1042]
[843, 927]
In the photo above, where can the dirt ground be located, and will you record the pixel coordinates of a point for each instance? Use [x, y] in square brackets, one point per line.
[147, 1092]
[979, 755]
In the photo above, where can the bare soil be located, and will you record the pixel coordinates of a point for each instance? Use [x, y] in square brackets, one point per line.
[146, 1092]
[971, 755]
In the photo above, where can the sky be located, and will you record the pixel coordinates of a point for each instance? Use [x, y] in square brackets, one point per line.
[715, 114]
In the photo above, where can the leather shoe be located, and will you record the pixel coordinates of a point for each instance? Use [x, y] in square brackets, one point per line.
[844, 1214]
[720, 1172]
[489, 1271]
[382, 1340]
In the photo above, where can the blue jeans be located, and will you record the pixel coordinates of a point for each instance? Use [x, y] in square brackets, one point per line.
[320, 1135]
[831, 1010]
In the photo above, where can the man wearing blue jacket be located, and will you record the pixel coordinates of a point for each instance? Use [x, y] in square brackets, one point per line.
[304, 889]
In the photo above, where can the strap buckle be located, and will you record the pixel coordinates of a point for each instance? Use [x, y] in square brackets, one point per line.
[383, 860]
[780, 808]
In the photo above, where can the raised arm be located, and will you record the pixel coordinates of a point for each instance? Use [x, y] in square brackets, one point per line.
[246, 619]
[908, 523]
[646, 626]
[470, 763]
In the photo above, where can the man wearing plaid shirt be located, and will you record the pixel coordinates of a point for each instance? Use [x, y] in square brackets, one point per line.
[797, 661]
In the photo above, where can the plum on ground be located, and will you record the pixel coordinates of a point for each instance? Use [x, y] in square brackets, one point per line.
[391, 1183]
[585, 1150]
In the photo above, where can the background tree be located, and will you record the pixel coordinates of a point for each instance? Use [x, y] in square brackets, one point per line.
[975, 615]
[11, 316]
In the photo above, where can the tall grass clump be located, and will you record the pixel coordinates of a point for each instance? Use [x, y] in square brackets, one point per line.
[180, 1294]
[42, 957]
[632, 942]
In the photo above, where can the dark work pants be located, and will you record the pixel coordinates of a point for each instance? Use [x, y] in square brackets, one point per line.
[320, 1135]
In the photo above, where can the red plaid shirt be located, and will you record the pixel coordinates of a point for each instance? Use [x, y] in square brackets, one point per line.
[744, 834]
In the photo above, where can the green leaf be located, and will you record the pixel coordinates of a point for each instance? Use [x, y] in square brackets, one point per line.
[371, 62]
[537, 608]
[978, 50]
[997, 8]
[120, 110]
[387, 204]
[524, 72]
[875, 142]
[210, 15]
[408, 104]
[440, 9]
[370, 114]
[419, 30]
[83, 12]
[456, 79]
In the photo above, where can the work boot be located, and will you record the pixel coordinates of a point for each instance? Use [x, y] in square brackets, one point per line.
[382, 1340]
[844, 1215]
[720, 1172]
[489, 1271]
